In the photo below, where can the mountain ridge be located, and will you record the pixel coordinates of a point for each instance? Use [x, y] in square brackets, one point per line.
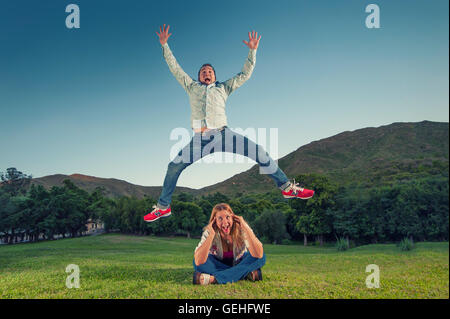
[371, 155]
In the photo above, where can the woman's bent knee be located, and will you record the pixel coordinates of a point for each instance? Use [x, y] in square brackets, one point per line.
[261, 261]
[263, 258]
[200, 267]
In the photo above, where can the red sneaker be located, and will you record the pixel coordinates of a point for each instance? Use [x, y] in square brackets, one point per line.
[157, 213]
[294, 191]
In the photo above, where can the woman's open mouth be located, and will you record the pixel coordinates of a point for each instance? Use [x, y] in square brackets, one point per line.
[226, 229]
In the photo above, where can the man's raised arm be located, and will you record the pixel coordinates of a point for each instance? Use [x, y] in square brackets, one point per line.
[239, 79]
[181, 76]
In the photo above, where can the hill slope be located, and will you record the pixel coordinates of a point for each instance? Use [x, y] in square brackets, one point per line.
[113, 187]
[369, 156]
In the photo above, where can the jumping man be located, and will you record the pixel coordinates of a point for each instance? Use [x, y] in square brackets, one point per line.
[207, 98]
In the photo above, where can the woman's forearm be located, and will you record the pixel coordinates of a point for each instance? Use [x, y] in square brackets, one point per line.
[201, 254]
[255, 247]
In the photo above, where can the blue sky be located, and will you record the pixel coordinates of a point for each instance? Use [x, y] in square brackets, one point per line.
[101, 101]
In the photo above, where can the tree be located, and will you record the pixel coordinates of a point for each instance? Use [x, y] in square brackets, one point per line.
[8, 221]
[14, 181]
[304, 225]
[270, 225]
[217, 198]
[206, 207]
[189, 217]
[313, 215]
[37, 210]
[184, 197]
[251, 211]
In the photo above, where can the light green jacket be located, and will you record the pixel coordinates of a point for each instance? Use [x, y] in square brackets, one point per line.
[208, 101]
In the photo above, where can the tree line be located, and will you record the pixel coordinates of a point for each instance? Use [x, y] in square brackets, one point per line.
[418, 209]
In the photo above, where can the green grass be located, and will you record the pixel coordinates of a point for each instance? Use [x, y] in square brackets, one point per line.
[119, 266]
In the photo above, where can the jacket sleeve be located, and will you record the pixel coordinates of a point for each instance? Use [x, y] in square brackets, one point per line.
[240, 78]
[181, 76]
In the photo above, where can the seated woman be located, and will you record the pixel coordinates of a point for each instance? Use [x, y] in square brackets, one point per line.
[228, 251]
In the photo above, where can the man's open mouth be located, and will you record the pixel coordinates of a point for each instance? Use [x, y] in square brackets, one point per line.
[207, 80]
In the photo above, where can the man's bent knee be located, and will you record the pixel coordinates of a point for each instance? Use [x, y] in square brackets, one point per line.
[176, 167]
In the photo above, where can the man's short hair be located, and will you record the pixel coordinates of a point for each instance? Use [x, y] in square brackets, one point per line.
[206, 64]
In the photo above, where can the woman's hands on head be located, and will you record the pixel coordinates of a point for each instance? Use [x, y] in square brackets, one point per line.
[210, 227]
[239, 220]
[164, 34]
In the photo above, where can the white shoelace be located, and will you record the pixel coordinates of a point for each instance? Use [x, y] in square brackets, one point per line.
[294, 186]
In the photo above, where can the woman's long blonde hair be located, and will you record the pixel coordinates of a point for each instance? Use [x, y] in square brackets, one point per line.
[235, 232]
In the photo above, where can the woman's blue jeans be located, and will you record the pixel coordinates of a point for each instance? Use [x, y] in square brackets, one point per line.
[213, 141]
[224, 273]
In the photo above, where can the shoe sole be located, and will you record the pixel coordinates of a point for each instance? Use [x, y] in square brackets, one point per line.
[297, 197]
[150, 221]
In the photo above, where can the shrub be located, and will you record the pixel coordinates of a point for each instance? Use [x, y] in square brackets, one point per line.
[406, 244]
[342, 244]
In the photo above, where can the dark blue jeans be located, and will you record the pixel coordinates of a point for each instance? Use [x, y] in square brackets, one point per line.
[224, 273]
[218, 141]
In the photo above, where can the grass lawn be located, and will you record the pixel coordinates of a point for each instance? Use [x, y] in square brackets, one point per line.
[120, 266]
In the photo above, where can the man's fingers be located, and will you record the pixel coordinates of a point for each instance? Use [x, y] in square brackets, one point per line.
[245, 42]
[163, 31]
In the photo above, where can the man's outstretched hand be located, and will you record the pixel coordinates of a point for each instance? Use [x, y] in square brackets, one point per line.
[253, 40]
[164, 34]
